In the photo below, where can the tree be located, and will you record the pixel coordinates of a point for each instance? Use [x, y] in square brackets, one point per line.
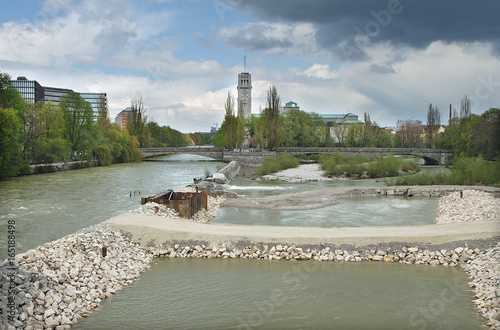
[4, 84]
[383, 139]
[54, 147]
[340, 133]
[228, 127]
[476, 135]
[303, 129]
[78, 121]
[102, 112]
[258, 136]
[33, 129]
[409, 135]
[433, 123]
[11, 162]
[240, 127]
[273, 128]
[465, 107]
[136, 122]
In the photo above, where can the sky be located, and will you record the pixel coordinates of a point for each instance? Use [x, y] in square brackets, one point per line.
[389, 59]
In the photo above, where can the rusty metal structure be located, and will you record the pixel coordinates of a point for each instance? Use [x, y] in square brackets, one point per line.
[187, 204]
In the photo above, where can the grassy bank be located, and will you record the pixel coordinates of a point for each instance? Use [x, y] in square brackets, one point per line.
[465, 171]
[361, 167]
[275, 164]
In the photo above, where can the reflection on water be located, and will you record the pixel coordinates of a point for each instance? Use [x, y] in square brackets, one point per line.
[229, 294]
[348, 212]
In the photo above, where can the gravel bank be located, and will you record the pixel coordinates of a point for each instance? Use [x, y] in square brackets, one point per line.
[302, 173]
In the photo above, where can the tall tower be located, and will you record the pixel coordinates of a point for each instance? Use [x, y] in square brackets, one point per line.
[245, 92]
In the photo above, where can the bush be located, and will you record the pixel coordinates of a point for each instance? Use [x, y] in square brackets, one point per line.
[275, 164]
[103, 153]
[465, 171]
[357, 166]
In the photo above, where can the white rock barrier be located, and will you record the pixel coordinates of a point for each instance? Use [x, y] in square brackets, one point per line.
[58, 283]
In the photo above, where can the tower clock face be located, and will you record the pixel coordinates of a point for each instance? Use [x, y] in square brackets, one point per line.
[244, 92]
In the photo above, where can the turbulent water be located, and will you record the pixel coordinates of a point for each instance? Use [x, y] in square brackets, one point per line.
[240, 293]
[348, 212]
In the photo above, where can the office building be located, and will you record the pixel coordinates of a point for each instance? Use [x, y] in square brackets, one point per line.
[33, 92]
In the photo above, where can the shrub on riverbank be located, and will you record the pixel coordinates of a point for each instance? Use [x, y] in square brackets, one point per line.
[359, 166]
[465, 171]
[275, 164]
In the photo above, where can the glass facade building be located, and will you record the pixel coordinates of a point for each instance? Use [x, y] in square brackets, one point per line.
[33, 92]
[30, 90]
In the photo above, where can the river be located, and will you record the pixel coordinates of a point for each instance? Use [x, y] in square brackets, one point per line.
[240, 293]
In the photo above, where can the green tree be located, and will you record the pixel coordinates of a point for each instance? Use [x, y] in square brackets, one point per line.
[78, 122]
[409, 136]
[383, 139]
[433, 123]
[273, 126]
[11, 161]
[240, 128]
[136, 123]
[476, 135]
[465, 109]
[340, 132]
[33, 130]
[303, 129]
[228, 127]
[102, 112]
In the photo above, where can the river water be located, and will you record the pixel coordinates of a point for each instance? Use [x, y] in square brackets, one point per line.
[229, 294]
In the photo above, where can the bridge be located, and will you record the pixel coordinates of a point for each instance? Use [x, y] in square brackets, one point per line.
[211, 152]
[430, 156]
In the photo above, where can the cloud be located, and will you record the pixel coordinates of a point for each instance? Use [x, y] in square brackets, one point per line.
[347, 27]
[320, 71]
[278, 38]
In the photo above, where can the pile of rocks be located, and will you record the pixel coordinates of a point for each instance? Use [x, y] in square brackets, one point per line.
[398, 252]
[58, 283]
[484, 270]
[214, 204]
[468, 205]
[158, 209]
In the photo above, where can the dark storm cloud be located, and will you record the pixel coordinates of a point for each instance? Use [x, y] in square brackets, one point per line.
[256, 38]
[346, 27]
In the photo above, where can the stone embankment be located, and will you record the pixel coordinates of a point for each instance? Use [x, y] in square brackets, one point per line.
[58, 283]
